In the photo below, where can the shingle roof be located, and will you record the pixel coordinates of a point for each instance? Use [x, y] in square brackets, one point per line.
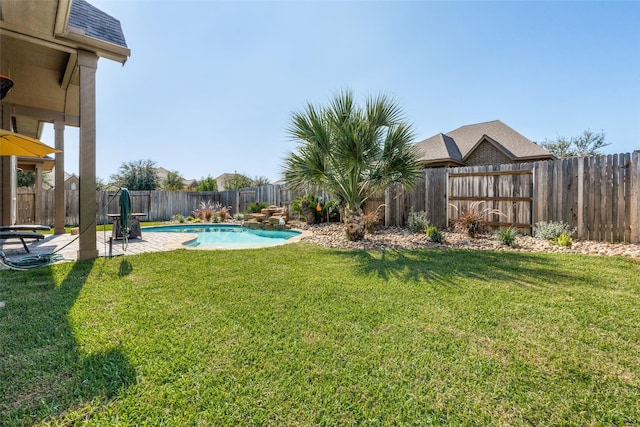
[439, 147]
[95, 23]
[466, 139]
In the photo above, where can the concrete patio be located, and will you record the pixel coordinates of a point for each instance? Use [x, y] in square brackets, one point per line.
[67, 245]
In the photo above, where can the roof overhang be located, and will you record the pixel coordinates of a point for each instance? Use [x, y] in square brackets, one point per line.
[31, 163]
[39, 51]
[448, 162]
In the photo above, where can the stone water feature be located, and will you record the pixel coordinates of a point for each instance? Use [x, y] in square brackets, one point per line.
[271, 218]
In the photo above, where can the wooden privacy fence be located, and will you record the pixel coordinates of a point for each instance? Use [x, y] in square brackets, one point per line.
[503, 197]
[39, 207]
[598, 196]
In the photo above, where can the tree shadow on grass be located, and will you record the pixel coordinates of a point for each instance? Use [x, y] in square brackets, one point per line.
[43, 370]
[452, 267]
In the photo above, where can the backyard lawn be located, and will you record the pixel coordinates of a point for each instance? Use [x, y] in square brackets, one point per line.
[302, 335]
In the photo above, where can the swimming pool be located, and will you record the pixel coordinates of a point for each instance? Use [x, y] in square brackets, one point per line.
[226, 236]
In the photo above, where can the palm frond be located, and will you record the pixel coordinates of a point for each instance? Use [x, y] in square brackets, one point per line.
[349, 150]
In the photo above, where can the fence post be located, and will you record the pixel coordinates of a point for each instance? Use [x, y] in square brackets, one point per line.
[580, 229]
[534, 202]
[446, 198]
[634, 217]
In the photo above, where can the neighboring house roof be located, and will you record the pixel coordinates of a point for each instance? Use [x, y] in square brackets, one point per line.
[456, 146]
[441, 148]
[95, 23]
[68, 176]
[161, 173]
[222, 180]
[190, 183]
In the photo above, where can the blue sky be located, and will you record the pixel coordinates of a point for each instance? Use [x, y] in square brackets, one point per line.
[211, 85]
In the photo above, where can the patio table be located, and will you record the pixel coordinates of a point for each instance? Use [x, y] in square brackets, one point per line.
[134, 229]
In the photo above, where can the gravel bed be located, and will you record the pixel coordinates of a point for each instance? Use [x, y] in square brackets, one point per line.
[332, 235]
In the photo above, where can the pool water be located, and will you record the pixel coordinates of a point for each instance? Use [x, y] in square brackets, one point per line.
[220, 236]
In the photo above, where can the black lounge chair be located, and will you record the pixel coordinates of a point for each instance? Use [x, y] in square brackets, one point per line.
[13, 232]
[25, 227]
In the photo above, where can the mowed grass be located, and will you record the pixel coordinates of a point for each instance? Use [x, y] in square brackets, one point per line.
[301, 335]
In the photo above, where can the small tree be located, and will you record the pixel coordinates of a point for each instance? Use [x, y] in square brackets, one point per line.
[101, 185]
[259, 181]
[26, 178]
[237, 181]
[353, 152]
[173, 182]
[136, 175]
[586, 144]
[207, 184]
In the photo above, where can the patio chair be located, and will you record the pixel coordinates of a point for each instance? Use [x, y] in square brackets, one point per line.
[14, 232]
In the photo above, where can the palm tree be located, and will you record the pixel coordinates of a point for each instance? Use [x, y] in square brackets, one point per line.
[351, 152]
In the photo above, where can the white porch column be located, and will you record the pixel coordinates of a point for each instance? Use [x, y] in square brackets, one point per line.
[38, 196]
[87, 64]
[60, 210]
[8, 177]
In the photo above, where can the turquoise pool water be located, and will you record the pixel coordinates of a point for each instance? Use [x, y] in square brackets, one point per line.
[221, 236]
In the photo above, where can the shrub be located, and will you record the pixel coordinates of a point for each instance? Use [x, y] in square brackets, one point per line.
[473, 220]
[177, 218]
[551, 230]
[507, 236]
[306, 206]
[223, 213]
[418, 221]
[205, 212]
[256, 207]
[371, 220]
[238, 216]
[433, 233]
[190, 218]
[330, 211]
[563, 240]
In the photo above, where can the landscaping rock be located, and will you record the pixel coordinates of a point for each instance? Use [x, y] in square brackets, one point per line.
[333, 235]
[257, 217]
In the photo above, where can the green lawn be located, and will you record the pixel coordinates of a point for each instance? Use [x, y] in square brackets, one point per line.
[301, 335]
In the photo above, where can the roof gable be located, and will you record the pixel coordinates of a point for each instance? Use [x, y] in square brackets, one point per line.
[458, 144]
[485, 139]
[508, 140]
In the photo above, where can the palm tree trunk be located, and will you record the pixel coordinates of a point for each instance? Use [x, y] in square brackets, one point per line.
[354, 224]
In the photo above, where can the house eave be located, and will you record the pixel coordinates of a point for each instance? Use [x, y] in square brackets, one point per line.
[440, 162]
[101, 48]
